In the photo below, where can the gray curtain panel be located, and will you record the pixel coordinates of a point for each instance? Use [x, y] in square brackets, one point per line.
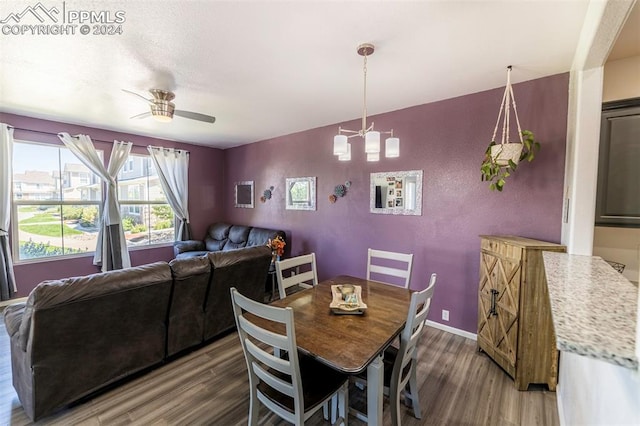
[7, 280]
[110, 221]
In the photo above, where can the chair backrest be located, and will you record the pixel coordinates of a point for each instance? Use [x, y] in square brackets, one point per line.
[272, 373]
[305, 279]
[418, 311]
[404, 273]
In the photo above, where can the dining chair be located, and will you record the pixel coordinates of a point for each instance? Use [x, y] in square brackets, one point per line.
[292, 267]
[294, 387]
[306, 279]
[400, 364]
[399, 272]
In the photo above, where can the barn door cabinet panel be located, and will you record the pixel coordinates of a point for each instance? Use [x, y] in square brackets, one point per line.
[514, 316]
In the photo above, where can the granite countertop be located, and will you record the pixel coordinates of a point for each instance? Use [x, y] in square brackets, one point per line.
[594, 308]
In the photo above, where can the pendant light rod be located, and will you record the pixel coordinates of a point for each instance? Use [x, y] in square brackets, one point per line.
[365, 50]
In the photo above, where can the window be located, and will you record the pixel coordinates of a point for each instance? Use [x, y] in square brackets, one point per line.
[617, 197]
[56, 202]
[128, 166]
[146, 216]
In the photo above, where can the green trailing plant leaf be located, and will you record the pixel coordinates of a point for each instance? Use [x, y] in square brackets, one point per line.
[495, 174]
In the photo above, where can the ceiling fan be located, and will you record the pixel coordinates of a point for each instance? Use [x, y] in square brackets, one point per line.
[163, 110]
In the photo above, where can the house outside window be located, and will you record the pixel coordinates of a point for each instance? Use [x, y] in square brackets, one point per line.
[56, 203]
[147, 218]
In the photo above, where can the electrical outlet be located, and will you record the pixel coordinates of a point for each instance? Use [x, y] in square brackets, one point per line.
[445, 315]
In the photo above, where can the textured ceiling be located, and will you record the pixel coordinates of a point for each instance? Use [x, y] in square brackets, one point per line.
[628, 42]
[270, 68]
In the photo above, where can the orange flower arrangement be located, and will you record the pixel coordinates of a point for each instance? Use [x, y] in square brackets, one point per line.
[276, 245]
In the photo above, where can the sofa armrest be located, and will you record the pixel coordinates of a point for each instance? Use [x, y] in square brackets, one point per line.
[189, 245]
[13, 317]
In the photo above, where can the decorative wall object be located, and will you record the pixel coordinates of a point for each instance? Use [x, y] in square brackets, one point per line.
[339, 191]
[266, 195]
[396, 193]
[301, 193]
[244, 194]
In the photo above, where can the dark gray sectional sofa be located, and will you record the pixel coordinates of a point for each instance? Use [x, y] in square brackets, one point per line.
[75, 336]
[223, 236]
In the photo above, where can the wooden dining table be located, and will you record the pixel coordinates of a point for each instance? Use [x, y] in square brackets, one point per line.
[351, 343]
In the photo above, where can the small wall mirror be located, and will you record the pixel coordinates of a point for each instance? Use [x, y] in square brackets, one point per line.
[301, 193]
[244, 194]
[396, 193]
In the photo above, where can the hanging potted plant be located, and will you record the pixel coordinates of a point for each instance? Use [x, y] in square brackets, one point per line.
[502, 159]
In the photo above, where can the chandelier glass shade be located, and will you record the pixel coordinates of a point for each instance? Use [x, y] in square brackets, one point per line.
[341, 145]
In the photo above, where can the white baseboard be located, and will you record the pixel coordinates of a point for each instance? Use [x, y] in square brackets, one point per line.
[452, 330]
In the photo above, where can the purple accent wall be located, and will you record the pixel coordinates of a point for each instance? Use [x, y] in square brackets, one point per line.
[205, 193]
[446, 140]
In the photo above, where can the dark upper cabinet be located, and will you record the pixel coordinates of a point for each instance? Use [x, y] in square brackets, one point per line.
[618, 196]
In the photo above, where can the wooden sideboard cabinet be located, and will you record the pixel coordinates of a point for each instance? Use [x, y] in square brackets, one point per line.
[514, 314]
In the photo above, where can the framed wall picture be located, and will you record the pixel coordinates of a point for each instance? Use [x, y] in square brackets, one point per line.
[244, 194]
[301, 193]
[396, 193]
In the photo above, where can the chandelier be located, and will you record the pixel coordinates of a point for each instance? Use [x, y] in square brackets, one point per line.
[341, 145]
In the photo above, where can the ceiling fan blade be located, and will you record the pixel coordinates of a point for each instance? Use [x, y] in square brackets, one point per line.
[195, 116]
[143, 115]
[138, 95]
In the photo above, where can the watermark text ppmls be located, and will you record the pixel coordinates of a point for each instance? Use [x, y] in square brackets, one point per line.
[55, 18]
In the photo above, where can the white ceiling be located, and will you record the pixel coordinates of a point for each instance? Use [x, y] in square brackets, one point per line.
[270, 68]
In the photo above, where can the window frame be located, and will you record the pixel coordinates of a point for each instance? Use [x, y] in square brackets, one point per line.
[16, 203]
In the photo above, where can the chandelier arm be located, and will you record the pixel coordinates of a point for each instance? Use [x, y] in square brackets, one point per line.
[341, 130]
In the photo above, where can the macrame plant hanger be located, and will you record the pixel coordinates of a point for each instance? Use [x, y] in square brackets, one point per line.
[506, 151]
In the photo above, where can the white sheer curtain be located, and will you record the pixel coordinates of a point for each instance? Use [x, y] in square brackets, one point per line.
[111, 249]
[173, 169]
[7, 279]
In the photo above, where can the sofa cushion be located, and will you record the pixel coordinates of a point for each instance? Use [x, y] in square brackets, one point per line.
[260, 236]
[217, 236]
[13, 317]
[245, 269]
[186, 315]
[238, 236]
[187, 246]
[191, 254]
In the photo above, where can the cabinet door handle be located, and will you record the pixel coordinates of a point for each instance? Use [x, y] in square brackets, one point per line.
[494, 295]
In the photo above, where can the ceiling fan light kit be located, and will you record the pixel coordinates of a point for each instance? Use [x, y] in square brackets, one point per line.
[163, 110]
[341, 145]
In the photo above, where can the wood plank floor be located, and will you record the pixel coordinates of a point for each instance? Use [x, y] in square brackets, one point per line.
[458, 386]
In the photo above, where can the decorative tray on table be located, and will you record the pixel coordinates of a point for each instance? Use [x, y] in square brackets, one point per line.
[347, 299]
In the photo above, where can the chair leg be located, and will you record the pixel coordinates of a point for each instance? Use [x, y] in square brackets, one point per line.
[335, 401]
[413, 387]
[342, 404]
[254, 407]
[394, 402]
